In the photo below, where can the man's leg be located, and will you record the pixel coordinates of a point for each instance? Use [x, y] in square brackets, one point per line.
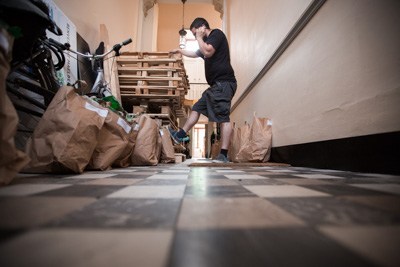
[191, 121]
[226, 131]
[180, 135]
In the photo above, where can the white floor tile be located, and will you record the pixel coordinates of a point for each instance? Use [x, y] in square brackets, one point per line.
[169, 176]
[318, 176]
[89, 248]
[170, 191]
[176, 171]
[284, 191]
[125, 170]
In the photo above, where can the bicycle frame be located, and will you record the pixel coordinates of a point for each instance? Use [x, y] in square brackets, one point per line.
[100, 86]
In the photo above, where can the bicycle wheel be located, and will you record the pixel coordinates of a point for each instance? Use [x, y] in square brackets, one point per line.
[31, 86]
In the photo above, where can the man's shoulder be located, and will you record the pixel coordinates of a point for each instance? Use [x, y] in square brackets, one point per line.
[217, 34]
[217, 31]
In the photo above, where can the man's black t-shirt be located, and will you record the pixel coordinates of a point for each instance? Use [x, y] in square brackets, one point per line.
[218, 67]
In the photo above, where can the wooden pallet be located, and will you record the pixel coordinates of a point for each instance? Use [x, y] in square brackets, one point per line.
[153, 77]
[153, 90]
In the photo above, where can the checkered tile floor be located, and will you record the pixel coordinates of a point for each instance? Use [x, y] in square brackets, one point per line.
[175, 215]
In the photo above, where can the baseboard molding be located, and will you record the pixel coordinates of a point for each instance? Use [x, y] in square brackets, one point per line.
[377, 153]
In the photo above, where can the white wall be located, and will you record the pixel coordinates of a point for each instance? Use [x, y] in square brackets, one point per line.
[256, 28]
[149, 30]
[339, 78]
[120, 17]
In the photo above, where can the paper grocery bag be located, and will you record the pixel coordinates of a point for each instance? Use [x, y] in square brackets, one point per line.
[67, 134]
[112, 141]
[234, 144]
[12, 160]
[124, 160]
[145, 150]
[159, 147]
[215, 149]
[258, 148]
[168, 151]
[243, 138]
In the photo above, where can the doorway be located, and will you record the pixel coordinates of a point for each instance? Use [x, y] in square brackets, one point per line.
[199, 141]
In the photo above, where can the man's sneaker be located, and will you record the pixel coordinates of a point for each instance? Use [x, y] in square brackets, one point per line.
[221, 159]
[175, 138]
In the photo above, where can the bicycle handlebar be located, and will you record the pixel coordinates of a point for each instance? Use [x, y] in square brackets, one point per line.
[65, 46]
[115, 48]
[128, 41]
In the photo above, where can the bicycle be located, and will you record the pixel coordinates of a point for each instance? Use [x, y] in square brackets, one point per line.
[100, 89]
[32, 82]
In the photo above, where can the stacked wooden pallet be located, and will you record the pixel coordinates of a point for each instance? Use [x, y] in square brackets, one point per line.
[152, 77]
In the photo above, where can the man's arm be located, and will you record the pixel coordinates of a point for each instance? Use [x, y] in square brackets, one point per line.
[206, 49]
[184, 52]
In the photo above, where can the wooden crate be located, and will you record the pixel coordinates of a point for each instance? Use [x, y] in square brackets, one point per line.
[153, 77]
[179, 157]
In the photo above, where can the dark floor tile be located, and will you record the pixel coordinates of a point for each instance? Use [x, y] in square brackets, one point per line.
[96, 191]
[132, 176]
[209, 175]
[35, 211]
[124, 213]
[173, 173]
[335, 211]
[341, 190]
[7, 235]
[388, 203]
[260, 248]
[217, 191]
[259, 182]
[162, 182]
[276, 175]
[48, 180]
[148, 169]
[366, 180]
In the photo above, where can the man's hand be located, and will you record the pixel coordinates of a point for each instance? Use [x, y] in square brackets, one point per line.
[201, 32]
[183, 52]
[174, 51]
[206, 49]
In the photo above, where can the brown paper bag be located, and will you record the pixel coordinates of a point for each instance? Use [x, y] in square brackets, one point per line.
[11, 159]
[243, 139]
[159, 147]
[258, 148]
[112, 141]
[215, 149]
[168, 151]
[145, 150]
[124, 160]
[66, 136]
[234, 145]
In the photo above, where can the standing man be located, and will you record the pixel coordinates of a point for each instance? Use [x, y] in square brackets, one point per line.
[215, 103]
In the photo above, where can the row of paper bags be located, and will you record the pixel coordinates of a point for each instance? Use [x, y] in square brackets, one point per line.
[12, 160]
[77, 134]
[249, 143]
